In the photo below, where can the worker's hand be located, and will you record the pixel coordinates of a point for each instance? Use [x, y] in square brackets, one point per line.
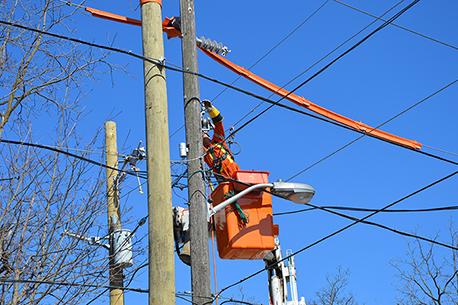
[207, 104]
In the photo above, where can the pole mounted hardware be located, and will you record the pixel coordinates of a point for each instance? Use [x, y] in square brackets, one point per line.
[91, 240]
[120, 241]
[138, 154]
[212, 46]
[181, 234]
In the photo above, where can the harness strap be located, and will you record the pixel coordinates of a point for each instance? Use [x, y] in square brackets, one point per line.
[241, 215]
[218, 161]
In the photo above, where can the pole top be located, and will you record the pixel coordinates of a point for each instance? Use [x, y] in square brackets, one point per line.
[146, 1]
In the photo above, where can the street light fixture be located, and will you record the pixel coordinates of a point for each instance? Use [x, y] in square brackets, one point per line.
[296, 192]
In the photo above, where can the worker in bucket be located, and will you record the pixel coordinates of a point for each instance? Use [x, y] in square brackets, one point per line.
[217, 154]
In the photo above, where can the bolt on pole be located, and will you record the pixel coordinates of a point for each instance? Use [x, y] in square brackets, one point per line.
[161, 273]
[114, 216]
[200, 267]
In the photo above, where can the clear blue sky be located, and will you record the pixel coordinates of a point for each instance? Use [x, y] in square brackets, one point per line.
[388, 73]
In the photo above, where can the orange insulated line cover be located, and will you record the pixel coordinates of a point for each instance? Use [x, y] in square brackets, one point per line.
[303, 102]
[298, 100]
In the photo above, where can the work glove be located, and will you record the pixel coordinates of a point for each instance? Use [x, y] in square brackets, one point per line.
[207, 105]
[212, 111]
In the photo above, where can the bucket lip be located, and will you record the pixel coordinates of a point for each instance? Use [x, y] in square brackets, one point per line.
[253, 171]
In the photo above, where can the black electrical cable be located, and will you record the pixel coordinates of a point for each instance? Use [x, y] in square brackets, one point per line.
[254, 95]
[375, 128]
[320, 60]
[60, 151]
[3, 280]
[363, 133]
[403, 233]
[398, 26]
[289, 34]
[330, 210]
[97, 296]
[358, 209]
[339, 231]
[397, 15]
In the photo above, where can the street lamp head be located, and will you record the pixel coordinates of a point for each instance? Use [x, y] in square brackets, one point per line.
[296, 192]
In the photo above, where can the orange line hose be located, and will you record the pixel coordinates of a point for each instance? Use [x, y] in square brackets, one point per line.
[298, 100]
[303, 102]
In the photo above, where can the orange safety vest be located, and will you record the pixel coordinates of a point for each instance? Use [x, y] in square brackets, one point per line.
[219, 157]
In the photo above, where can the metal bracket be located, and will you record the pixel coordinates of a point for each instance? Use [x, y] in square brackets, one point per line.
[92, 240]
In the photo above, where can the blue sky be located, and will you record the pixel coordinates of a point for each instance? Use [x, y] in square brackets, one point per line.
[385, 75]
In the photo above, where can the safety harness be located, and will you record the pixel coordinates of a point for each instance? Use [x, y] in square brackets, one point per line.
[218, 161]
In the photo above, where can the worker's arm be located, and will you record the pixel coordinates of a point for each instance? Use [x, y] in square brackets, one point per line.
[217, 118]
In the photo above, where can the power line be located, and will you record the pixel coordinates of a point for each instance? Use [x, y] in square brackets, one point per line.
[403, 233]
[340, 230]
[398, 26]
[9, 179]
[288, 35]
[358, 209]
[320, 60]
[378, 126]
[441, 150]
[246, 92]
[397, 15]
[140, 290]
[330, 210]
[60, 151]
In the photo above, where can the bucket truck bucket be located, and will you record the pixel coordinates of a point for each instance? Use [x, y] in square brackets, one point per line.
[236, 239]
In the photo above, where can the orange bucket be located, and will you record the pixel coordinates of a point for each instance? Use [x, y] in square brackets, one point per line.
[235, 239]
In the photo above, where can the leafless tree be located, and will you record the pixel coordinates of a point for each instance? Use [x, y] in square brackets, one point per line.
[334, 293]
[37, 70]
[428, 274]
[43, 193]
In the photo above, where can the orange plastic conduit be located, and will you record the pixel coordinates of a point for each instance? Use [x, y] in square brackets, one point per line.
[113, 17]
[298, 100]
[303, 102]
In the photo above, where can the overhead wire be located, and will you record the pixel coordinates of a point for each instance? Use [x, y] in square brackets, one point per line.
[417, 1]
[359, 209]
[353, 47]
[331, 210]
[319, 60]
[280, 42]
[378, 126]
[45, 282]
[60, 151]
[399, 232]
[441, 150]
[398, 26]
[340, 230]
[254, 95]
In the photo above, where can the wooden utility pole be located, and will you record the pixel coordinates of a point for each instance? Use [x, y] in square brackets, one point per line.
[161, 273]
[198, 212]
[114, 216]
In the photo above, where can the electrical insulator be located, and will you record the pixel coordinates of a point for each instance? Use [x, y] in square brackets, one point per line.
[212, 46]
